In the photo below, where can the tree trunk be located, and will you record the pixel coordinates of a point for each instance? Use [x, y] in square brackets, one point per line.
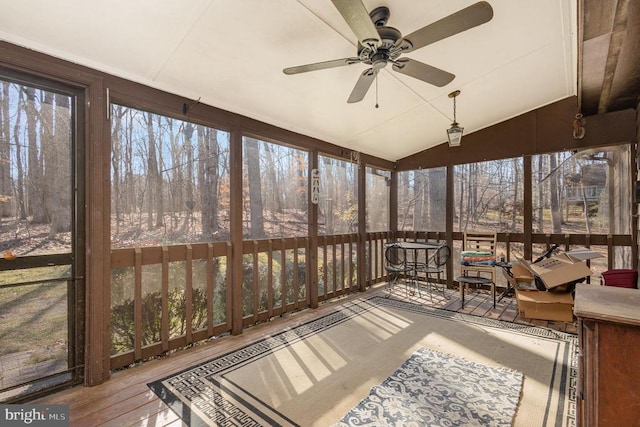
[208, 178]
[116, 161]
[35, 197]
[60, 207]
[255, 188]
[556, 219]
[152, 170]
[541, 200]
[20, 202]
[274, 201]
[516, 195]
[190, 178]
[418, 197]
[437, 197]
[5, 152]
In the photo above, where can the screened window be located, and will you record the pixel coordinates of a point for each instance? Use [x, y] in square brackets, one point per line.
[378, 186]
[586, 191]
[169, 180]
[39, 230]
[275, 202]
[422, 198]
[35, 170]
[488, 196]
[338, 203]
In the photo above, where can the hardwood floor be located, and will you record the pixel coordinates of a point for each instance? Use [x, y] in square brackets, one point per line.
[125, 400]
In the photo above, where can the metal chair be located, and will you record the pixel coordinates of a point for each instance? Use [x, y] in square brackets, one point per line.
[435, 268]
[396, 265]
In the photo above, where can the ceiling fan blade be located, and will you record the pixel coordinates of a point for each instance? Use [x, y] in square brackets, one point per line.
[321, 65]
[422, 71]
[464, 19]
[362, 85]
[356, 15]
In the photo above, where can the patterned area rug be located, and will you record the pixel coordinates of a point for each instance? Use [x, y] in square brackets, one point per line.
[433, 388]
[312, 374]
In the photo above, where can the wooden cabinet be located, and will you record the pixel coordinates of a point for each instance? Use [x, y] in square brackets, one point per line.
[609, 366]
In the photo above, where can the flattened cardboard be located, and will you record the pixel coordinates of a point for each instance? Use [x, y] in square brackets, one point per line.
[557, 270]
[545, 305]
[583, 254]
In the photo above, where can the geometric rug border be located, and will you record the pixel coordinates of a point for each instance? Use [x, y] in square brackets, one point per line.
[240, 413]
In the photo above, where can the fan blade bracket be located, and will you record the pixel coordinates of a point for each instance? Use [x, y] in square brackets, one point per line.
[372, 44]
[403, 45]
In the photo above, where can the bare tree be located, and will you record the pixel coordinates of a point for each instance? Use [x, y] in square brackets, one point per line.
[5, 152]
[418, 199]
[208, 177]
[437, 197]
[154, 179]
[556, 219]
[255, 188]
[20, 198]
[60, 207]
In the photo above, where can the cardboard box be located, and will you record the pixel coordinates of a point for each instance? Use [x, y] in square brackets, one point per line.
[558, 270]
[545, 305]
[534, 304]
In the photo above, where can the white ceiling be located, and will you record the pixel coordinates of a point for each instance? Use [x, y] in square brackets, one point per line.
[230, 54]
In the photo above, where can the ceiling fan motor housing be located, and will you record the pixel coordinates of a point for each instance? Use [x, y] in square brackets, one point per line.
[385, 52]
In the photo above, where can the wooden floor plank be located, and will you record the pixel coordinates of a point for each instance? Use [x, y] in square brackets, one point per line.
[125, 400]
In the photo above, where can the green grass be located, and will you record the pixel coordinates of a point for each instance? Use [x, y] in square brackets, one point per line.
[33, 317]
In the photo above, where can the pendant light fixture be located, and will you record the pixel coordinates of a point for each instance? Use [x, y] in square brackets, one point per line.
[454, 133]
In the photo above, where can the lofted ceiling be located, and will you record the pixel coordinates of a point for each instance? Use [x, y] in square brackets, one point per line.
[230, 54]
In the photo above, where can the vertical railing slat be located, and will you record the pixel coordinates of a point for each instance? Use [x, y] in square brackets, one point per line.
[137, 306]
[229, 283]
[283, 274]
[210, 289]
[255, 283]
[188, 283]
[296, 282]
[164, 310]
[270, 291]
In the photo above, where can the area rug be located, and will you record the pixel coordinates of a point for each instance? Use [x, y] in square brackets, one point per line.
[313, 374]
[433, 388]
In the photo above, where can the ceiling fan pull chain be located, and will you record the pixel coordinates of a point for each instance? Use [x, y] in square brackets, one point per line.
[376, 90]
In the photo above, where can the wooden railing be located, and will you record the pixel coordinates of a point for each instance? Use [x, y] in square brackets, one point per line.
[618, 250]
[169, 297]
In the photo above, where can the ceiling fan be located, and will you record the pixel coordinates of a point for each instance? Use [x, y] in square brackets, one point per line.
[379, 45]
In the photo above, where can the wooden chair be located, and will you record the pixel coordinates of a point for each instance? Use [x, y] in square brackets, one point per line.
[477, 263]
[484, 246]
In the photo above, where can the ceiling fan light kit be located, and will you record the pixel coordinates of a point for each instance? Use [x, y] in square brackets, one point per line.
[454, 133]
[379, 45]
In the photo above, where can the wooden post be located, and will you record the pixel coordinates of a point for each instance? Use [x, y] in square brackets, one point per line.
[312, 255]
[362, 226]
[235, 263]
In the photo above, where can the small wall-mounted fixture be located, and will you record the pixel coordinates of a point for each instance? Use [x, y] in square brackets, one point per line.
[454, 133]
[579, 126]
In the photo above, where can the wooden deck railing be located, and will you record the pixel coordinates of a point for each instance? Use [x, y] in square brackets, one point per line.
[168, 297]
